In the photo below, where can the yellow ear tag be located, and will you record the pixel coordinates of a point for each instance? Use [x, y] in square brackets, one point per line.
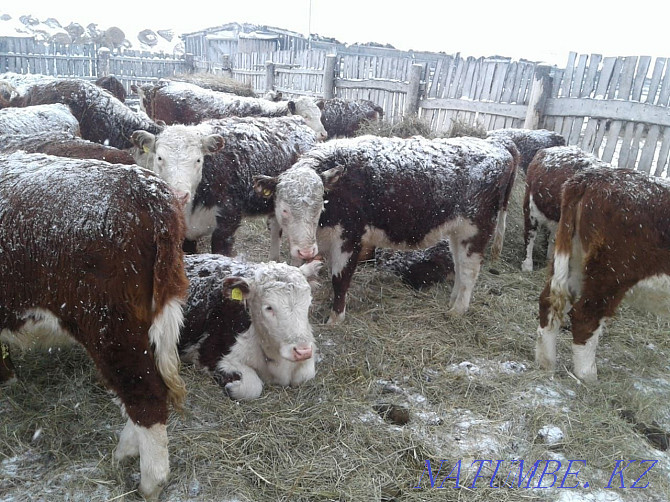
[267, 192]
[5, 351]
[236, 294]
[145, 148]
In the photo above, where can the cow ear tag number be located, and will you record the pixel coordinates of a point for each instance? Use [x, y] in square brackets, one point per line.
[236, 294]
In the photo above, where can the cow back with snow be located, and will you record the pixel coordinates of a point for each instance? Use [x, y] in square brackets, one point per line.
[102, 118]
[529, 141]
[344, 117]
[613, 233]
[91, 252]
[545, 176]
[185, 103]
[247, 323]
[38, 119]
[402, 193]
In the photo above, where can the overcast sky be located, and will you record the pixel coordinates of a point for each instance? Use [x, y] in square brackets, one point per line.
[536, 30]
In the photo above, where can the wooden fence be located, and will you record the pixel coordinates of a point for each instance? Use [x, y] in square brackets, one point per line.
[614, 107]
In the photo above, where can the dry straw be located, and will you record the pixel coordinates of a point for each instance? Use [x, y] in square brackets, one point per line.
[469, 384]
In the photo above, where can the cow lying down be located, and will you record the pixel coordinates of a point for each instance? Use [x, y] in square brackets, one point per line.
[247, 323]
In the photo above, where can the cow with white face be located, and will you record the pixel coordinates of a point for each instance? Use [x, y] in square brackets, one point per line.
[247, 323]
[216, 176]
[298, 196]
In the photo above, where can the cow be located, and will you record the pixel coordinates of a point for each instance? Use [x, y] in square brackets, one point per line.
[219, 190]
[186, 103]
[420, 268]
[342, 118]
[38, 119]
[613, 233]
[247, 323]
[114, 86]
[545, 176]
[529, 141]
[91, 252]
[102, 118]
[63, 144]
[398, 193]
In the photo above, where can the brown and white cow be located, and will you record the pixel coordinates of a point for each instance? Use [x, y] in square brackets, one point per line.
[63, 144]
[213, 165]
[247, 323]
[545, 176]
[613, 233]
[398, 193]
[102, 118]
[342, 118]
[38, 119]
[529, 141]
[185, 103]
[91, 252]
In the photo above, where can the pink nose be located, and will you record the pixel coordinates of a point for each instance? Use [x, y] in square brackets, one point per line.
[307, 254]
[302, 353]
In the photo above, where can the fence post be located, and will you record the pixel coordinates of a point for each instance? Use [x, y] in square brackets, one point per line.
[103, 61]
[225, 66]
[537, 100]
[329, 76]
[269, 76]
[412, 102]
[189, 59]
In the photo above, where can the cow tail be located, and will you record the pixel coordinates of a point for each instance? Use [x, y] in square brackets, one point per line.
[170, 286]
[565, 246]
[507, 183]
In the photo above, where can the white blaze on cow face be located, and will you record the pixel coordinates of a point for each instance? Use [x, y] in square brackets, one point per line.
[177, 155]
[307, 109]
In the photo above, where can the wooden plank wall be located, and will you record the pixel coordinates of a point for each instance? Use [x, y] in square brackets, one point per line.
[614, 107]
[467, 90]
[301, 73]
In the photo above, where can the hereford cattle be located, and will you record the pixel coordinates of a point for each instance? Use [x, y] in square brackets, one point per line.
[344, 117]
[38, 119]
[102, 118]
[63, 144]
[613, 233]
[114, 86]
[420, 268]
[546, 174]
[247, 323]
[529, 141]
[398, 193]
[91, 252]
[212, 166]
[186, 103]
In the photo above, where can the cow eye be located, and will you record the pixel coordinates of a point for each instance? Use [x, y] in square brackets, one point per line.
[160, 158]
[268, 308]
[198, 161]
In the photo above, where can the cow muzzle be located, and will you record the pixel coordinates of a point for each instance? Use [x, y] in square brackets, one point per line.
[302, 353]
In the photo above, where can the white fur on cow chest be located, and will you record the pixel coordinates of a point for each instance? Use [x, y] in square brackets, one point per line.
[651, 295]
[41, 329]
[200, 222]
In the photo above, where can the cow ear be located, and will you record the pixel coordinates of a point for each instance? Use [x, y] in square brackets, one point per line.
[311, 272]
[291, 107]
[235, 288]
[265, 185]
[319, 104]
[133, 88]
[212, 143]
[144, 140]
[331, 177]
[161, 124]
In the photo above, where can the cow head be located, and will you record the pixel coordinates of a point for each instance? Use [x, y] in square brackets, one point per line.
[298, 200]
[278, 298]
[307, 109]
[176, 155]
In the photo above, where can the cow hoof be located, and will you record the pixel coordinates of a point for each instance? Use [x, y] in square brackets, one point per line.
[527, 266]
[335, 318]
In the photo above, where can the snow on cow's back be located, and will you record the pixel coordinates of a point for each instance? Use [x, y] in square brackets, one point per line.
[38, 118]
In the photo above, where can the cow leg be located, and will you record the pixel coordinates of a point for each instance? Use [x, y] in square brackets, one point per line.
[6, 365]
[343, 265]
[130, 371]
[189, 246]
[468, 271]
[551, 238]
[241, 380]
[530, 224]
[223, 237]
[455, 248]
[547, 331]
[275, 238]
[588, 316]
